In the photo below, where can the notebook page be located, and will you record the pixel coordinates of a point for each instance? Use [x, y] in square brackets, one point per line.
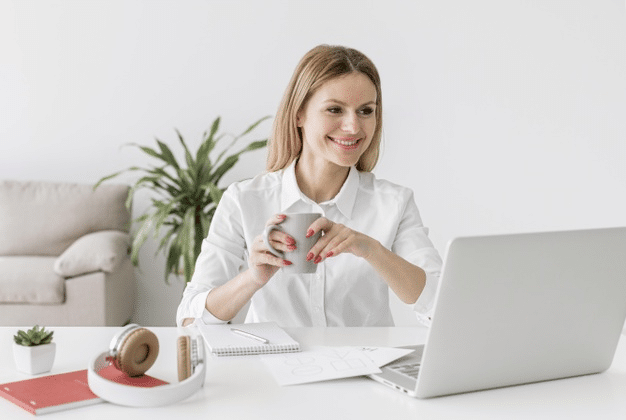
[222, 341]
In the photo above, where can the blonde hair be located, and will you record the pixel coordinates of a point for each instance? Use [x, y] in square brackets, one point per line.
[319, 65]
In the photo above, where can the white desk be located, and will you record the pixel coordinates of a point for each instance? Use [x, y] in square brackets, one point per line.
[242, 388]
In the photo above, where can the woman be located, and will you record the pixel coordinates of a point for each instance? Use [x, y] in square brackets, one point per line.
[325, 142]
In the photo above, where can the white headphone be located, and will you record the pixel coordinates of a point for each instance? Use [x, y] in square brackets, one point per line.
[133, 351]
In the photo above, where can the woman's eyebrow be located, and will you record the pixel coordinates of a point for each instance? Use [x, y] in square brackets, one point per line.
[337, 101]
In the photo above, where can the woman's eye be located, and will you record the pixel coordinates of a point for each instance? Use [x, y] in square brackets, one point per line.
[334, 110]
[367, 111]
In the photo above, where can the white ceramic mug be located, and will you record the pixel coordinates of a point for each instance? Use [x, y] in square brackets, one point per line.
[295, 225]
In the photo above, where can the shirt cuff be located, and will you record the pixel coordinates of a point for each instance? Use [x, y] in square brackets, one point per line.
[425, 303]
[199, 311]
[209, 318]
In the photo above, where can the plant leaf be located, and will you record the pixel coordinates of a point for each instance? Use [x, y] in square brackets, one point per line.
[209, 141]
[254, 125]
[167, 155]
[232, 160]
[236, 138]
[188, 242]
[140, 239]
[173, 260]
[215, 194]
[224, 167]
[188, 158]
[148, 151]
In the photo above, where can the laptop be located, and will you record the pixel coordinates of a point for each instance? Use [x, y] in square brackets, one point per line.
[520, 308]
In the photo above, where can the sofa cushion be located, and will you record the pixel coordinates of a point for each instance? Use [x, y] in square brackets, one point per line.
[30, 280]
[98, 251]
[44, 218]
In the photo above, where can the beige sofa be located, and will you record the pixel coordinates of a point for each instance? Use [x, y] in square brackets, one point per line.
[64, 254]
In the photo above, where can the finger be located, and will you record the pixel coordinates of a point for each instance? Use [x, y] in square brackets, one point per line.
[334, 249]
[276, 219]
[322, 224]
[261, 255]
[317, 251]
[278, 236]
[265, 258]
[282, 237]
[281, 241]
[335, 246]
[287, 245]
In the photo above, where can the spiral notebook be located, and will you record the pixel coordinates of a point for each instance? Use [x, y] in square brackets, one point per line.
[245, 339]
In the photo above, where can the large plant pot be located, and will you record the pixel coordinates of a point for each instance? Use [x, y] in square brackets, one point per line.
[34, 359]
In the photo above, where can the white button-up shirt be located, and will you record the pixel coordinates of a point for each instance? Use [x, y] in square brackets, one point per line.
[345, 290]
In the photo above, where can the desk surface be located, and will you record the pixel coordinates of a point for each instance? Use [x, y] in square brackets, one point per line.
[242, 388]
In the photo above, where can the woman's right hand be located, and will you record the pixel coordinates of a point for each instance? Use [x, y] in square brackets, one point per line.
[262, 263]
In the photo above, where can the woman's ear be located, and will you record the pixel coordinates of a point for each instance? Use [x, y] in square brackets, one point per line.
[299, 119]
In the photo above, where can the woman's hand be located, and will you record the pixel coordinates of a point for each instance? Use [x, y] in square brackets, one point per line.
[262, 263]
[338, 239]
[405, 279]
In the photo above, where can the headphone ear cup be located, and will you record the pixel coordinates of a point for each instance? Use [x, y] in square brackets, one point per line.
[183, 345]
[138, 352]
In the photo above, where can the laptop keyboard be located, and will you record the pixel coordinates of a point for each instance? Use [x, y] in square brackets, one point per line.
[409, 369]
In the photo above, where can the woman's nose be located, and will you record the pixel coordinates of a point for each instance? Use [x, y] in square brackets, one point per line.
[350, 123]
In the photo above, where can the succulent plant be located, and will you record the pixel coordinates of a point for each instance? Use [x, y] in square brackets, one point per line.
[36, 336]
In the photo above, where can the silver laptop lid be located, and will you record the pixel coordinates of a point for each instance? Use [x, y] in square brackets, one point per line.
[522, 308]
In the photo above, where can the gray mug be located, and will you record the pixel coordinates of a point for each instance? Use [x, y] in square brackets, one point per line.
[295, 225]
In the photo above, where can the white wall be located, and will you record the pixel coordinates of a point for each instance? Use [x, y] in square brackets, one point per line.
[503, 116]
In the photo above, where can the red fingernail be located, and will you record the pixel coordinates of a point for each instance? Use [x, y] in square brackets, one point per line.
[318, 259]
[287, 262]
[330, 254]
[309, 256]
[309, 233]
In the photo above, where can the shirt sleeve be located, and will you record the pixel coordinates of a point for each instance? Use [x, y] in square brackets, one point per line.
[413, 244]
[222, 257]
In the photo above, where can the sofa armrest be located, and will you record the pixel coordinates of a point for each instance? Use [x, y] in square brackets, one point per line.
[98, 251]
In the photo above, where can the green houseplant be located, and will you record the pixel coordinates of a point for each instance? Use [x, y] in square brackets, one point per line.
[33, 350]
[184, 196]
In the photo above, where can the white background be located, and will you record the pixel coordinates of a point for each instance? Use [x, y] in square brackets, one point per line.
[501, 115]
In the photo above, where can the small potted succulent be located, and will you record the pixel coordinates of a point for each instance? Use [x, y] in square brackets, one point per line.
[33, 350]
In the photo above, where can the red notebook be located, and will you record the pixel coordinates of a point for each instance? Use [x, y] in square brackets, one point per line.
[46, 394]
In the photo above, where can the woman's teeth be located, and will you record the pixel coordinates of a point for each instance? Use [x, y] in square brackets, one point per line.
[345, 142]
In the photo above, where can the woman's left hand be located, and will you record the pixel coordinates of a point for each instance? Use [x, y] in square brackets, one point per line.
[338, 239]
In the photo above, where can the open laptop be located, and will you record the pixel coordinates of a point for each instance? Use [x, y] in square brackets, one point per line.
[520, 308]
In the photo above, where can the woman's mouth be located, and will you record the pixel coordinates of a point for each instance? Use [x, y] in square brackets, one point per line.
[345, 142]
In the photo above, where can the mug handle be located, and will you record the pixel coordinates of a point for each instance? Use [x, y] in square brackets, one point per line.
[266, 240]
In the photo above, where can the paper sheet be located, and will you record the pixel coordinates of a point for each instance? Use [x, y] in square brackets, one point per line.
[325, 363]
[382, 356]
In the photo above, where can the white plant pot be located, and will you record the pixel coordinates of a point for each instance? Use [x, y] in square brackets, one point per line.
[34, 359]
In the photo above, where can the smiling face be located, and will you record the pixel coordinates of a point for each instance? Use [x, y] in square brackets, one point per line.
[338, 121]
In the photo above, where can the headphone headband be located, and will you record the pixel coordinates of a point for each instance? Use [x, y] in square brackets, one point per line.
[118, 339]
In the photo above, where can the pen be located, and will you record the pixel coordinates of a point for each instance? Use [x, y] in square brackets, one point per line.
[250, 335]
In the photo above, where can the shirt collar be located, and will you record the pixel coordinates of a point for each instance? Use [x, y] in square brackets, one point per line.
[344, 200]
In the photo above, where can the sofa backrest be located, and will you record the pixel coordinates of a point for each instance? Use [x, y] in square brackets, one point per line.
[44, 218]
